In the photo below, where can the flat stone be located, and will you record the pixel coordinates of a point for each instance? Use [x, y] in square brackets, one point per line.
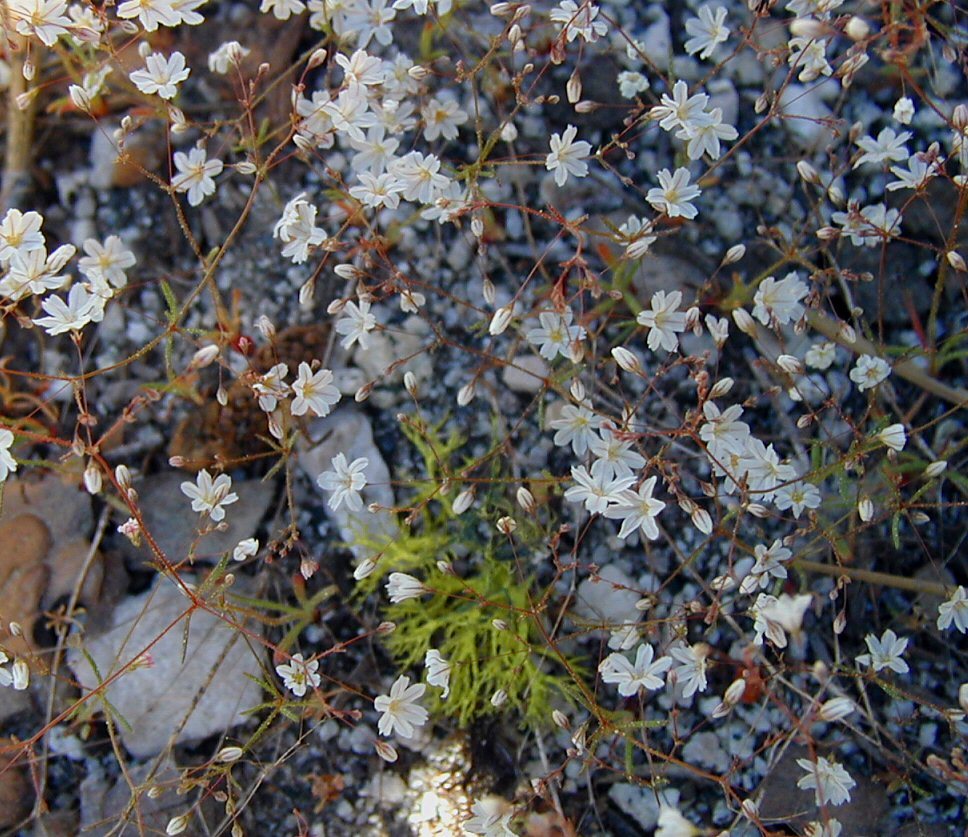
[168, 516]
[189, 690]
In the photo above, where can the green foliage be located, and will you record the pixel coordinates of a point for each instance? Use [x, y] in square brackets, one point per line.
[458, 620]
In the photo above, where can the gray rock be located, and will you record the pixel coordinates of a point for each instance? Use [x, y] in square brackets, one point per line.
[168, 516]
[803, 112]
[196, 685]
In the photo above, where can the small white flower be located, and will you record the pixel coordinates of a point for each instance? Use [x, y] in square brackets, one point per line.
[557, 335]
[674, 194]
[821, 355]
[401, 587]
[315, 392]
[491, 817]
[708, 30]
[196, 175]
[664, 321]
[645, 673]
[346, 481]
[779, 302]
[401, 712]
[7, 463]
[245, 549]
[299, 676]
[637, 510]
[209, 496]
[829, 780]
[955, 609]
[904, 110]
[869, 371]
[566, 155]
[885, 652]
[161, 74]
[356, 324]
[438, 671]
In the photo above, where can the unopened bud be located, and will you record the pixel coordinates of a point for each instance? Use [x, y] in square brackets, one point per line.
[626, 360]
[734, 254]
[364, 568]
[956, 260]
[744, 322]
[836, 709]
[176, 825]
[318, 57]
[790, 364]
[228, 754]
[526, 500]
[573, 87]
[466, 394]
[499, 698]
[936, 468]
[808, 173]
[865, 509]
[410, 383]
[385, 628]
[386, 751]
[499, 624]
[501, 320]
[721, 388]
[462, 502]
[857, 28]
[203, 357]
[92, 478]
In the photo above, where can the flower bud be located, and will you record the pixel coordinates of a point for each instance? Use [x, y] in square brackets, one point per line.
[466, 394]
[385, 750]
[203, 357]
[573, 87]
[501, 320]
[92, 478]
[744, 322]
[865, 510]
[956, 260]
[364, 568]
[176, 825]
[499, 698]
[462, 502]
[734, 254]
[808, 173]
[228, 754]
[836, 709]
[936, 468]
[626, 360]
[963, 696]
[526, 500]
[385, 628]
[410, 383]
[21, 675]
[499, 624]
[857, 28]
[790, 364]
[721, 388]
[318, 57]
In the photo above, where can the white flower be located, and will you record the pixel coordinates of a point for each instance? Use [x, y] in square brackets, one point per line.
[596, 490]
[674, 194]
[315, 392]
[195, 175]
[708, 31]
[680, 110]
[401, 587]
[7, 463]
[630, 84]
[904, 110]
[107, 262]
[282, 9]
[664, 320]
[297, 229]
[228, 55]
[272, 387]
[829, 780]
[298, 676]
[161, 75]
[645, 673]
[151, 13]
[566, 155]
[869, 371]
[356, 324]
[637, 235]
[885, 652]
[955, 609]
[775, 617]
[208, 495]
[491, 815]
[578, 425]
[893, 436]
[438, 671]
[821, 355]
[441, 118]
[42, 18]
[888, 147]
[556, 334]
[245, 549]
[779, 302]
[377, 190]
[346, 481]
[614, 454]
[578, 20]
[691, 669]
[20, 233]
[671, 823]
[79, 310]
[704, 137]
[637, 510]
[797, 496]
[401, 712]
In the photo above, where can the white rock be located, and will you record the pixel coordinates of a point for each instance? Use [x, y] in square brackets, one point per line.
[187, 692]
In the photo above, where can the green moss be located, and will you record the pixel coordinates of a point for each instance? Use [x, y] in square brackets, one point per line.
[457, 616]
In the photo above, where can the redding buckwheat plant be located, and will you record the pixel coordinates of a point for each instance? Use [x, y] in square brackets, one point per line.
[436, 417]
